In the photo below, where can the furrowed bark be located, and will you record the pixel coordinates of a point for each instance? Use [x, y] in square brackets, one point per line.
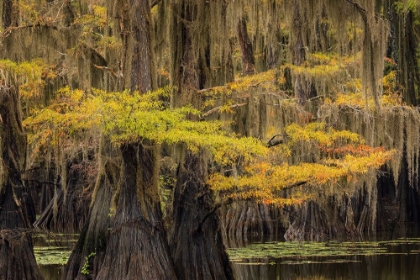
[17, 260]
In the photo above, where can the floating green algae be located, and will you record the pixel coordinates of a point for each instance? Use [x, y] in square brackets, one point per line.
[52, 255]
[301, 252]
[53, 248]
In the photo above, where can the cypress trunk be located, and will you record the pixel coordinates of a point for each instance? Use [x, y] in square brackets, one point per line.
[196, 239]
[137, 247]
[243, 219]
[298, 51]
[17, 260]
[248, 64]
[67, 212]
[91, 246]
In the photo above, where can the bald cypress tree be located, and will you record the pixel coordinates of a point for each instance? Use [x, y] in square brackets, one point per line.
[137, 247]
[17, 260]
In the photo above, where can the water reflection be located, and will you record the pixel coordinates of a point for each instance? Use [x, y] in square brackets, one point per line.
[52, 251]
[52, 271]
[48, 239]
[382, 258]
[361, 267]
[387, 257]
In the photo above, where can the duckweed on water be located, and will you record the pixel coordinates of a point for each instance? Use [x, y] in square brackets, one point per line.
[52, 255]
[53, 248]
[302, 252]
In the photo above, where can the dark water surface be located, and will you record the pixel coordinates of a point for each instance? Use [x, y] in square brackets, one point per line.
[404, 266]
[395, 256]
[52, 252]
[52, 271]
[380, 258]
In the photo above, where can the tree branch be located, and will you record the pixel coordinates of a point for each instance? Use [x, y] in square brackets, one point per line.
[211, 111]
[154, 3]
[211, 212]
[10, 29]
[105, 68]
[361, 10]
[274, 142]
[357, 6]
[57, 184]
[295, 185]
[207, 89]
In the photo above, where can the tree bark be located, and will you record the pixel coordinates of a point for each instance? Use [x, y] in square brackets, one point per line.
[298, 51]
[90, 249]
[17, 260]
[248, 63]
[92, 242]
[68, 210]
[409, 72]
[137, 247]
[196, 239]
[10, 14]
[135, 25]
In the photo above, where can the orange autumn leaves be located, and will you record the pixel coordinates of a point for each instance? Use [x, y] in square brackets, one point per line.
[334, 156]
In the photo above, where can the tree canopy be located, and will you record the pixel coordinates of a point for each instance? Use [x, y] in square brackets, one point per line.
[128, 117]
[276, 102]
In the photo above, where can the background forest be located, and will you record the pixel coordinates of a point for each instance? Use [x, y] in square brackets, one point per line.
[164, 130]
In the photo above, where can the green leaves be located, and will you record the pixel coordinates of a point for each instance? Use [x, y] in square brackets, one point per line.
[406, 6]
[136, 117]
[131, 117]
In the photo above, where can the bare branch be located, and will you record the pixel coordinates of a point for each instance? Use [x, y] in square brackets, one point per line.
[274, 142]
[362, 10]
[107, 69]
[298, 184]
[211, 212]
[154, 3]
[207, 89]
[209, 112]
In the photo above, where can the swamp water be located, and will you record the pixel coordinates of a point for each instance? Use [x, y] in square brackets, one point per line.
[383, 258]
[52, 252]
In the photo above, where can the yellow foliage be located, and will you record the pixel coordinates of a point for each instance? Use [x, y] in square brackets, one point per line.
[318, 132]
[264, 181]
[264, 80]
[322, 65]
[264, 173]
[343, 156]
[96, 19]
[358, 100]
[351, 93]
[127, 117]
[29, 76]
